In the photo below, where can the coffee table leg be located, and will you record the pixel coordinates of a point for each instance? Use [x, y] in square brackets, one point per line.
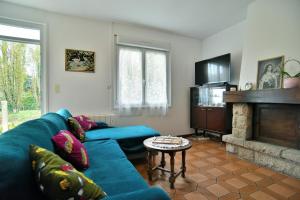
[183, 164]
[172, 163]
[150, 165]
[153, 157]
[162, 162]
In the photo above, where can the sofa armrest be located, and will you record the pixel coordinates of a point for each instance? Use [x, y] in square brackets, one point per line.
[153, 193]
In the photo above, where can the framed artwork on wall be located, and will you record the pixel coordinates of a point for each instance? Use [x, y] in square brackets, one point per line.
[269, 73]
[79, 60]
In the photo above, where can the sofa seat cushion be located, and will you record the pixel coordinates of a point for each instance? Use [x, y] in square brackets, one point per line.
[111, 169]
[130, 138]
[119, 133]
[104, 150]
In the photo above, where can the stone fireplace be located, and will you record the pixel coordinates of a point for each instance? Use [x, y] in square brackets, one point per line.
[266, 128]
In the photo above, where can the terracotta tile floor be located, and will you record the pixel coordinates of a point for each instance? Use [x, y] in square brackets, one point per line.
[212, 173]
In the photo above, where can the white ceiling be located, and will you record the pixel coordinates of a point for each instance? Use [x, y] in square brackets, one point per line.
[193, 18]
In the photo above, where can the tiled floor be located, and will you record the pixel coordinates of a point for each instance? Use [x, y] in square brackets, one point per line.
[214, 174]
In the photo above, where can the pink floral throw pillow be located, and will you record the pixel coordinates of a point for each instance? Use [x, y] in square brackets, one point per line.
[71, 149]
[85, 122]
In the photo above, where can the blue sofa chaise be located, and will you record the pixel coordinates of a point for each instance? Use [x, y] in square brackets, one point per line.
[130, 138]
[109, 166]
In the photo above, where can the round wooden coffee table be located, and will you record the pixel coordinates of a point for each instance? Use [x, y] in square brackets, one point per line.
[152, 148]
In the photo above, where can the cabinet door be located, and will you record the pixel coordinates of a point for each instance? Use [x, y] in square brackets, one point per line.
[202, 118]
[216, 119]
[198, 117]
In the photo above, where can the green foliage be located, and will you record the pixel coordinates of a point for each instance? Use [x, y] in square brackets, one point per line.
[12, 72]
[17, 118]
[29, 102]
[285, 73]
[23, 116]
[28, 84]
[297, 75]
[35, 82]
[19, 88]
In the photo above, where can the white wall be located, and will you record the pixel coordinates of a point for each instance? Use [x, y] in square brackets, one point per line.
[91, 93]
[272, 29]
[80, 92]
[229, 40]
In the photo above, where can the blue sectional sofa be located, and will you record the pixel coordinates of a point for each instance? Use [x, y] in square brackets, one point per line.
[109, 166]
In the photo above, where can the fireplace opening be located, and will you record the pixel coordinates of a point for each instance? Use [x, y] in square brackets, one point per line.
[277, 124]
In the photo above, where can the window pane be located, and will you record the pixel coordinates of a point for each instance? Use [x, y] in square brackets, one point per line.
[19, 32]
[156, 78]
[130, 77]
[19, 83]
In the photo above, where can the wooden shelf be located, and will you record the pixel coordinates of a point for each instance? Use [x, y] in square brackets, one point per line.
[282, 96]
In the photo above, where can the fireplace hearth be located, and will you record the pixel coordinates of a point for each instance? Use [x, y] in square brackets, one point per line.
[266, 128]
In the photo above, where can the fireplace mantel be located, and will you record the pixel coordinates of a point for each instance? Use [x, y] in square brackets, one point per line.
[282, 96]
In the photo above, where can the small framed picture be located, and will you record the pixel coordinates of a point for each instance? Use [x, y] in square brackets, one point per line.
[79, 60]
[269, 73]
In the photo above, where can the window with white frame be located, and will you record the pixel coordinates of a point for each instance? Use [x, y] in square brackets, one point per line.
[142, 77]
[21, 77]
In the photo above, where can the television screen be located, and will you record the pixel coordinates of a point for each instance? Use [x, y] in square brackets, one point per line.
[214, 70]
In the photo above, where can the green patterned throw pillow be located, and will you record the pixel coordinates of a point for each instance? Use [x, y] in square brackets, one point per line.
[76, 129]
[57, 179]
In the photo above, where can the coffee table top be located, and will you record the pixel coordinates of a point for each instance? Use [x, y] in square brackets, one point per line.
[148, 143]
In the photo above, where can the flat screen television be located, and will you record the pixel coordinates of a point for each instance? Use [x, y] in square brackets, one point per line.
[214, 70]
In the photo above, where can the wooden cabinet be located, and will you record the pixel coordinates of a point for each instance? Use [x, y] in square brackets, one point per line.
[202, 118]
[215, 119]
[209, 118]
[215, 116]
[199, 117]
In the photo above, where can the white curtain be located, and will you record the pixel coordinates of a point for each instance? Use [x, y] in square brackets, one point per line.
[156, 97]
[142, 81]
[130, 80]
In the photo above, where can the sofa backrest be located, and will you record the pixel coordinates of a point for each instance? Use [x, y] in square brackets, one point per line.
[65, 113]
[16, 179]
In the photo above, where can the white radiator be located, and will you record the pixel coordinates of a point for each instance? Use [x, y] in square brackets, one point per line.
[107, 118]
